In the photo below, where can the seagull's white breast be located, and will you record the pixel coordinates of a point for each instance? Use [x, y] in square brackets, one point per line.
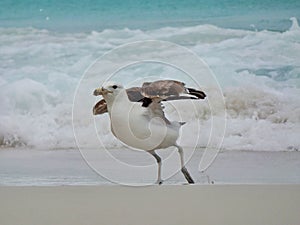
[131, 124]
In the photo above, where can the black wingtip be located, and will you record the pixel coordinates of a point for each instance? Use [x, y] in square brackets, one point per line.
[198, 94]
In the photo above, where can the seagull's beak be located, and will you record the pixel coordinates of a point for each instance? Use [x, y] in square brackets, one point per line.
[101, 91]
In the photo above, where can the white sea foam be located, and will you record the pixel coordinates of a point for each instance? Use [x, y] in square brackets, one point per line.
[259, 73]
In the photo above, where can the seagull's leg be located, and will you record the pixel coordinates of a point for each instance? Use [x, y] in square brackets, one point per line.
[158, 160]
[183, 169]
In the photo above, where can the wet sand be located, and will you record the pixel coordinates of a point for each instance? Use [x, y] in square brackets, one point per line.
[28, 167]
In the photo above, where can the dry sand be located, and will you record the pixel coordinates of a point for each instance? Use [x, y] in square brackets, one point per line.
[154, 205]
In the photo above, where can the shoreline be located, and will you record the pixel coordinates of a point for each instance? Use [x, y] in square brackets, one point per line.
[28, 167]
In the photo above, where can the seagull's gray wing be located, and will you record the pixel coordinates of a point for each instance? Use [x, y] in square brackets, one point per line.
[164, 90]
[170, 90]
[135, 94]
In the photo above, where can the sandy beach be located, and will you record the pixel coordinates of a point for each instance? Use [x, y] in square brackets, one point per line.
[114, 205]
[57, 187]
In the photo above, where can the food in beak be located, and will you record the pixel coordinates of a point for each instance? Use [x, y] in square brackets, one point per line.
[101, 91]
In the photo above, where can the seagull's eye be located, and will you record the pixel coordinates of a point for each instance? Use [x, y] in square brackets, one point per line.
[114, 86]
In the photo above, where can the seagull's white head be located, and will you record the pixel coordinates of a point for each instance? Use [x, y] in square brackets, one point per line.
[109, 90]
[112, 92]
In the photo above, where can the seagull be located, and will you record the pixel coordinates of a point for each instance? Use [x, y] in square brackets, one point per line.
[137, 117]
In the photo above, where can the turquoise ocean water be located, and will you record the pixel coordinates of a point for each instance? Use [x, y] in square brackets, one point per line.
[144, 14]
[253, 48]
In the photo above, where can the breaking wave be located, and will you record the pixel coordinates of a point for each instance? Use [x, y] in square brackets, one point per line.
[259, 72]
